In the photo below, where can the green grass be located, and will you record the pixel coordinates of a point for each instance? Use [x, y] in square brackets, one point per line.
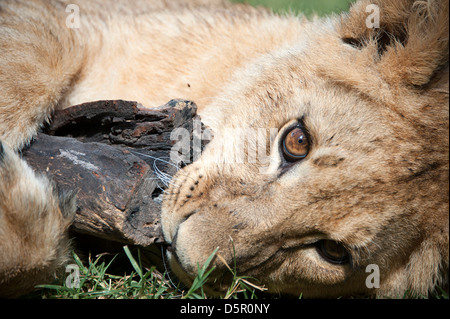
[307, 7]
[97, 281]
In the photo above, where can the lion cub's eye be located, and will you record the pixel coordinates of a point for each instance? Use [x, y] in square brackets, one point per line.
[333, 252]
[295, 144]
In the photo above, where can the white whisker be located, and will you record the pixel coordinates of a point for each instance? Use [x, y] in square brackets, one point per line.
[163, 177]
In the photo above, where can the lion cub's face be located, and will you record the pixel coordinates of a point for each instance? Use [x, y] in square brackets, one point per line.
[306, 183]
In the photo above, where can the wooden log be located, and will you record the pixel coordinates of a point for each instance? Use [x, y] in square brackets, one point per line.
[110, 152]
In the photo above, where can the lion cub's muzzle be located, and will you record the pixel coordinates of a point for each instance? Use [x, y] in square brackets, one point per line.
[201, 213]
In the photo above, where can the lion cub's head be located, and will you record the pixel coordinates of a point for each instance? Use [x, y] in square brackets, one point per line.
[328, 171]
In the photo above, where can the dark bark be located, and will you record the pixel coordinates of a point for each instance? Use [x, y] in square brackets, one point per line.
[106, 151]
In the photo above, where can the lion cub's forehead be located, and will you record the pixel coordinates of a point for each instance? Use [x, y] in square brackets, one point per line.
[326, 109]
[289, 85]
[278, 89]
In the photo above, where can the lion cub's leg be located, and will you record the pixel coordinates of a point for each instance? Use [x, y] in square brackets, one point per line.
[40, 58]
[33, 223]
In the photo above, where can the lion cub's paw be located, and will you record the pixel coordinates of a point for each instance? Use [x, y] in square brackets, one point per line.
[34, 218]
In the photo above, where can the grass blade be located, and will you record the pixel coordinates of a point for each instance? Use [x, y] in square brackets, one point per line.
[133, 262]
[202, 276]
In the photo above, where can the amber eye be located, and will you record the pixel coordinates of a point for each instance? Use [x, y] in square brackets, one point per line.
[295, 144]
[333, 252]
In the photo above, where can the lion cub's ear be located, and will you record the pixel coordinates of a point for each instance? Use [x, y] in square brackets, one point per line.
[409, 38]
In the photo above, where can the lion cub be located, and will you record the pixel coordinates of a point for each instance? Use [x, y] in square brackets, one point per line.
[347, 196]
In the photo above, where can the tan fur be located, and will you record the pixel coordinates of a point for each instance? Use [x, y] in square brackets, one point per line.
[33, 224]
[374, 102]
